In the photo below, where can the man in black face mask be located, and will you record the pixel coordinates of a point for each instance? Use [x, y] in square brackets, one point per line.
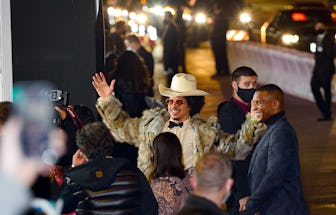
[231, 115]
[324, 70]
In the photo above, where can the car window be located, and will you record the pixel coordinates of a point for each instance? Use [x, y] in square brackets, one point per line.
[299, 18]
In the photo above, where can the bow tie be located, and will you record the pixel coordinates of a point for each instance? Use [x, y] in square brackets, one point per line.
[173, 124]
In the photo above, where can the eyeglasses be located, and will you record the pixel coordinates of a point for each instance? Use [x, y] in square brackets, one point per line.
[178, 102]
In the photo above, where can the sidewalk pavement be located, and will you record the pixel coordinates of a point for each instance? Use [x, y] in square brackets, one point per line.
[317, 140]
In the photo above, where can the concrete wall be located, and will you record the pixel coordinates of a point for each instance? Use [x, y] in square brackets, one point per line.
[288, 68]
[6, 77]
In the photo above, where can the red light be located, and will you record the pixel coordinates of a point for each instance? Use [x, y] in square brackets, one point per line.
[299, 17]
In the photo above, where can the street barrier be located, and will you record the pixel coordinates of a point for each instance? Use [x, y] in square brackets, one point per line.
[288, 68]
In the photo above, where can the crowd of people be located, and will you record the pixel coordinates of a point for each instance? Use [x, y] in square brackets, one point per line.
[164, 157]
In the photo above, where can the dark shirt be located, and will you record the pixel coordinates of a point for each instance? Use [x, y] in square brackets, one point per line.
[197, 205]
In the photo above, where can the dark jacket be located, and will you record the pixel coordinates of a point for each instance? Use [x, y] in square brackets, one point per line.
[230, 118]
[171, 46]
[149, 62]
[107, 186]
[324, 57]
[274, 172]
[196, 205]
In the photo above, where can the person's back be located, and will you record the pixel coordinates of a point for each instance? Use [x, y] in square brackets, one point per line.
[132, 83]
[101, 184]
[170, 182]
[212, 184]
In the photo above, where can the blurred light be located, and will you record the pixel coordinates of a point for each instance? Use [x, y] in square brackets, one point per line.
[124, 13]
[157, 10]
[152, 33]
[187, 17]
[112, 21]
[237, 35]
[142, 18]
[245, 17]
[132, 15]
[200, 18]
[142, 30]
[290, 39]
[170, 9]
[133, 26]
[117, 12]
[312, 47]
[333, 16]
[110, 11]
[299, 17]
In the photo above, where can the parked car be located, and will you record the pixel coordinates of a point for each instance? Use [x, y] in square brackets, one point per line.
[294, 27]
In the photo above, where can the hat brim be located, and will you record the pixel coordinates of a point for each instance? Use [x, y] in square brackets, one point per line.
[165, 91]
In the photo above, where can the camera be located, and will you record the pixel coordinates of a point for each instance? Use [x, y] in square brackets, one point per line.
[59, 97]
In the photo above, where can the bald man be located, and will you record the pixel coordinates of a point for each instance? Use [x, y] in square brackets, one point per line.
[274, 171]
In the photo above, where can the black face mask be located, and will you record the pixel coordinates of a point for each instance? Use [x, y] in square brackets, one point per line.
[320, 31]
[246, 94]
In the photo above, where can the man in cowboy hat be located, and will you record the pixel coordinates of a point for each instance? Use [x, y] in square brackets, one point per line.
[184, 102]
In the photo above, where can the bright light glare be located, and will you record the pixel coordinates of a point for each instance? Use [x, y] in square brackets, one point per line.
[237, 35]
[142, 30]
[142, 18]
[124, 13]
[132, 16]
[245, 17]
[200, 18]
[110, 11]
[312, 47]
[157, 10]
[170, 9]
[134, 27]
[117, 12]
[290, 39]
[187, 17]
[152, 33]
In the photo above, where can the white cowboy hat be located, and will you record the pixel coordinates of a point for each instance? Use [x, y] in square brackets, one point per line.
[182, 85]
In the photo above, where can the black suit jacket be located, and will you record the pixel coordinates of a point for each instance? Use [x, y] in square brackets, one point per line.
[274, 172]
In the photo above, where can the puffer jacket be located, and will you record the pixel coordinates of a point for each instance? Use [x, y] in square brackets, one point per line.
[142, 131]
[107, 186]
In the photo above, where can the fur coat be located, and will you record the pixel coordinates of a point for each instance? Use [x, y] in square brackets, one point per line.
[141, 132]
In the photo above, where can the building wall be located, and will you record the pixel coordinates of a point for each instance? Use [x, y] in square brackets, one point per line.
[6, 77]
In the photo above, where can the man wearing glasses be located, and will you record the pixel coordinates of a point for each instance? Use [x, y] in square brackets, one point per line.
[181, 117]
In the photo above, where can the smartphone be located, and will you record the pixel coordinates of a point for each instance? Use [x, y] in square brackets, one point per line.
[33, 106]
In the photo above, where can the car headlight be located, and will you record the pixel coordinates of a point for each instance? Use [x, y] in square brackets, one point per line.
[290, 39]
[200, 18]
[245, 17]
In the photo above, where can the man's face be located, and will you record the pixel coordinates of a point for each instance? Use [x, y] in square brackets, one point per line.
[178, 108]
[129, 45]
[246, 82]
[262, 106]
[320, 25]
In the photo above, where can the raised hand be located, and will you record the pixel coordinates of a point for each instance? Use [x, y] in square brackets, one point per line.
[100, 84]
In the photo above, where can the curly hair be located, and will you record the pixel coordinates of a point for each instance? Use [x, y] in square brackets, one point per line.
[195, 103]
[131, 73]
[95, 140]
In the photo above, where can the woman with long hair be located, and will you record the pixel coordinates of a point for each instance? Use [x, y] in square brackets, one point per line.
[132, 81]
[169, 181]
